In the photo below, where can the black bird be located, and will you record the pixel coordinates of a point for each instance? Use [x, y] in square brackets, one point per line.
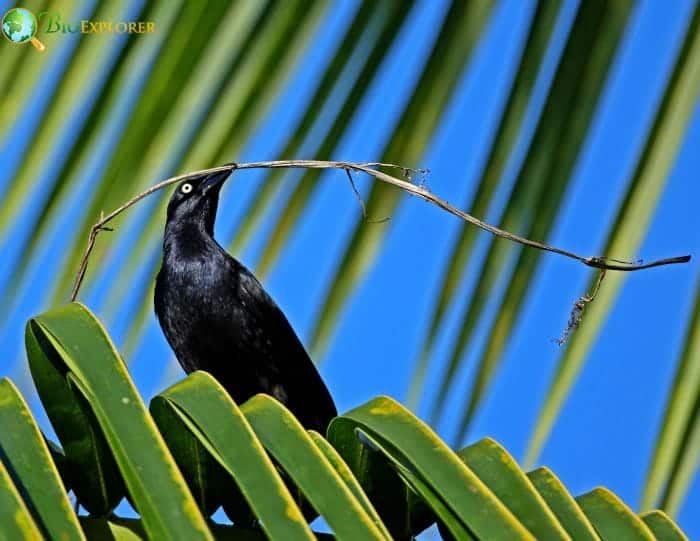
[217, 317]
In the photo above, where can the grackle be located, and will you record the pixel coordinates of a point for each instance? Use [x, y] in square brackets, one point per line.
[217, 317]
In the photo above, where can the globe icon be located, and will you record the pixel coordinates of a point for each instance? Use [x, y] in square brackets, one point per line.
[19, 26]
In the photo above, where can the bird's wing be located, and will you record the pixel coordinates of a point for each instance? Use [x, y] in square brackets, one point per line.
[296, 382]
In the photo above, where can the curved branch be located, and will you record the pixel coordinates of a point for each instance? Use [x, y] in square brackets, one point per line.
[369, 168]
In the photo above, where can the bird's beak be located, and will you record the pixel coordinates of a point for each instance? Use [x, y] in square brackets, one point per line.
[214, 180]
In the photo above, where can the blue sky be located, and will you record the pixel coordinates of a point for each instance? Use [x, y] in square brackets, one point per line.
[605, 433]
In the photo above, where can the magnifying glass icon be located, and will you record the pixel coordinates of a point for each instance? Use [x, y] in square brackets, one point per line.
[19, 25]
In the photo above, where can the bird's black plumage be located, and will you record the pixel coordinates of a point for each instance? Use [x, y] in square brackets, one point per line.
[217, 317]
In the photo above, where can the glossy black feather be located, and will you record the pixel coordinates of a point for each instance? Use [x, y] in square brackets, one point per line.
[217, 317]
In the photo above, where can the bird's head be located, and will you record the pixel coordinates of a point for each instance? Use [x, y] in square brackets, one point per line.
[195, 200]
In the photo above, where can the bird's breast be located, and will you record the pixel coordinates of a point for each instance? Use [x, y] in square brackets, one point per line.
[199, 287]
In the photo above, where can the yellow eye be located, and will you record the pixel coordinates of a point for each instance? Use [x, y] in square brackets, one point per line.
[186, 188]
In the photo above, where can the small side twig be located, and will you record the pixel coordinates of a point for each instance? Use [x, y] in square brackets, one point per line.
[577, 310]
[357, 193]
[361, 201]
[369, 168]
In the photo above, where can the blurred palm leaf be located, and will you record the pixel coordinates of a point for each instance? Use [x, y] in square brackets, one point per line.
[635, 214]
[462, 26]
[130, 65]
[65, 102]
[542, 181]
[509, 128]
[677, 452]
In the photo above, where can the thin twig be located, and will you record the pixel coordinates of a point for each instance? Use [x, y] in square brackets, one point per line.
[361, 201]
[368, 167]
[357, 193]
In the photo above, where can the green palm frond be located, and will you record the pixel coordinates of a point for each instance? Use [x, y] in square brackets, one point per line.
[380, 473]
